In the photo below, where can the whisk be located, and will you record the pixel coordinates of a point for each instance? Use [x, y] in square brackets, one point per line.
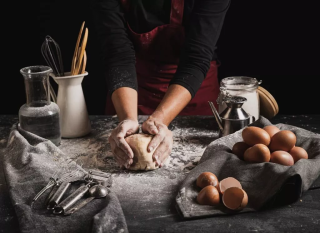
[51, 52]
[71, 171]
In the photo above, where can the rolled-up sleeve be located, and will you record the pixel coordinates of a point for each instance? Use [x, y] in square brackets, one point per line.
[117, 52]
[202, 33]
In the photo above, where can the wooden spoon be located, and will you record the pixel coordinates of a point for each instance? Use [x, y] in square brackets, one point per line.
[78, 59]
[80, 56]
[84, 63]
[75, 54]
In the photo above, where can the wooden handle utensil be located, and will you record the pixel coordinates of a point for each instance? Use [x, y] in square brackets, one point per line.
[84, 63]
[79, 59]
[80, 56]
[75, 54]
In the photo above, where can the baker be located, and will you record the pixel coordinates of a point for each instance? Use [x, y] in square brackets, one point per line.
[159, 60]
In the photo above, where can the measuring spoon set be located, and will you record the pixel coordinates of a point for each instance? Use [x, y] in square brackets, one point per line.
[93, 186]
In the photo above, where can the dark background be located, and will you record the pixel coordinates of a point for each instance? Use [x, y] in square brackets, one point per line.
[273, 41]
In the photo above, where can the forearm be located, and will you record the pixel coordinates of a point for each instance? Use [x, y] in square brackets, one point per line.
[175, 99]
[203, 31]
[125, 101]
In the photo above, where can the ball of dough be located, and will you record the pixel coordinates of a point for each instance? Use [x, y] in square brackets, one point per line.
[142, 159]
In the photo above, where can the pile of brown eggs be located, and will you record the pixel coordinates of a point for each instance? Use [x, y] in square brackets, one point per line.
[269, 144]
[230, 189]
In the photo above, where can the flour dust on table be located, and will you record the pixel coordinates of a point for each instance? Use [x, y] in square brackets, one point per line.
[148, 197]
[143, 192]
[93, 151]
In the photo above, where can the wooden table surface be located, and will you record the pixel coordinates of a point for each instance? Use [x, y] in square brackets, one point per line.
[147, 199]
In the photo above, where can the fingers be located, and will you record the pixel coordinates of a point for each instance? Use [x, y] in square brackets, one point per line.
[118, 136]
[150, 127]
[124, 146]
[119, 155]
[122, 152]
[163, 150]
[128, 127]
[162, 140]
[121, 143]
[158, 138]
[122, 158]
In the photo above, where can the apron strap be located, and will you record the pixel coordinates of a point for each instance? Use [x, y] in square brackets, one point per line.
[176, 15]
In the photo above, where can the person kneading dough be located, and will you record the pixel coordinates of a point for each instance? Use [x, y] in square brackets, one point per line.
[142, 159]
[165, 50]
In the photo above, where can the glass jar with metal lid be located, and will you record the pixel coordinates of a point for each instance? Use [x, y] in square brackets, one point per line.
[241, 86]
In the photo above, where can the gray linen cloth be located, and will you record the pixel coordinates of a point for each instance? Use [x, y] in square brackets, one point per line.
[29, 162]
[268, 185]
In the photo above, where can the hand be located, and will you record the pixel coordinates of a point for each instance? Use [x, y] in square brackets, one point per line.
[122, 152]
[163, 138]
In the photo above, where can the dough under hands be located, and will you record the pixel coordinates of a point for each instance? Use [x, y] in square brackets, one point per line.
[142, 159]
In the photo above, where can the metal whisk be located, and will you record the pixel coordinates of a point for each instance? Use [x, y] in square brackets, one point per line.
[52, 54]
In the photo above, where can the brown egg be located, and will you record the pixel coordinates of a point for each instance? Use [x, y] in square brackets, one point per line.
[235, 198]
[208, 196]
[271, 130]
[258, 153]
[298, 153]
[228, 183]
[254, 135]
[239, 148]
[282, 157]
[283, 140]
[207, 178]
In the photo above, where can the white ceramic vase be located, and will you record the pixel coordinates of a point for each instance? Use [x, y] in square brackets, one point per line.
[74, 119]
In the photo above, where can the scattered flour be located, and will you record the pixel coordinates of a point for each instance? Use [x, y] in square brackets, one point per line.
[93, 151]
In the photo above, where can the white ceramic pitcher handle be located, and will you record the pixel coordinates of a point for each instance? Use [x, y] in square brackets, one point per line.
[52, 92]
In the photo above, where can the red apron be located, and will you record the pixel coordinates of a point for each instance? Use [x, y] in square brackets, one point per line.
[157, 58]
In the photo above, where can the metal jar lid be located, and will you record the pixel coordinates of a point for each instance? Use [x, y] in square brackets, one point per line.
[238, 83]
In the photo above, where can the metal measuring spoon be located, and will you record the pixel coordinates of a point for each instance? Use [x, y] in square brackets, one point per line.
[56, 197]
[74, 197]
[96, 191]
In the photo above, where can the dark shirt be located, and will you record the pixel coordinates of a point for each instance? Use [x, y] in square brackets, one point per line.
[202, 21]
